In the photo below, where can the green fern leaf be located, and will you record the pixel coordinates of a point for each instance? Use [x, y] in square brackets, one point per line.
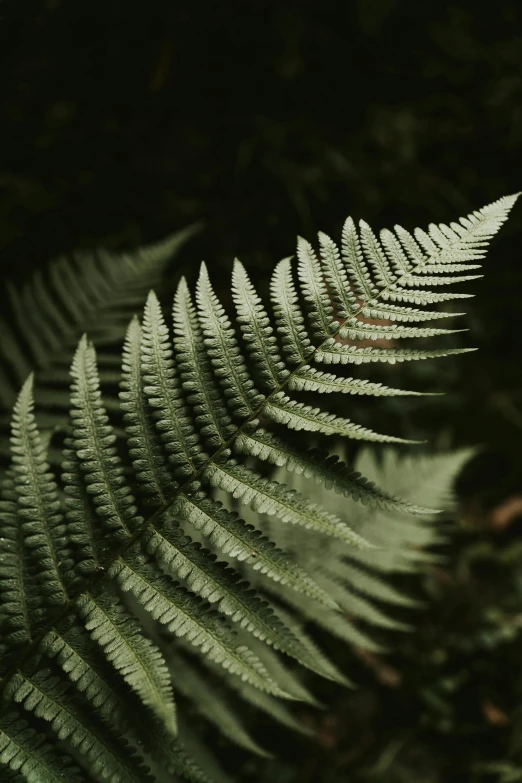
[310, 379]
[256, 329]
[211, 704]
[298, 416]
[270, 497]
[164, 393]
[351, 575]
[227, 362]
[37, 506]
[295, 341]
[91, 292]
[354, 330]
[336, 353]
[220, 586]
[380, 311]
[135, 657]
[368, 584]
[323, 469]
[315, 291]
[71, 651]
[23, 749]
[325, 666]
[48, 698]
[185, 617]
[357, 269]
[91, 563]
[210, 411]
[16, 601]
[419, 297]
[335, 623]
[240, 541]
[336, 277]
[148, 460]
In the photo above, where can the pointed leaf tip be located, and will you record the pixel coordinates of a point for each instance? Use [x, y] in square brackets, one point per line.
[182, 285]
[28, 383]
[152, 297]
[238, 269]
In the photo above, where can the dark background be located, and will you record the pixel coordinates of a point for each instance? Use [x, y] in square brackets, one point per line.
[122, 122]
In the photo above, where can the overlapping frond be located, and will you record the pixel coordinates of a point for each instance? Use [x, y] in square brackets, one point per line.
[108, 565]
[211, 703]
[94, 292]
[357, 578]
[26, 751]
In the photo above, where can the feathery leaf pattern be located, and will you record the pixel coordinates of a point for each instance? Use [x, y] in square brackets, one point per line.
[109, 572]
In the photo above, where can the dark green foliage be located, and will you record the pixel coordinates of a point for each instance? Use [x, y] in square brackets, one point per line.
[94, 292]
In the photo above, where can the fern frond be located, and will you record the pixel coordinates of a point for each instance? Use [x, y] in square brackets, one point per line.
[399, 294]
[222, 586]
[93, 560]
[281, 672]
[353, 576]
[310, 379]
[71, 651]
[48, 698]
[298, 416]
[334, 622]
[270, 497]
[38, 506]
[224, 352]
[93, 292]
[240, 541]
[336, 277]
[295, 341]
[355, 605]
[16, 601]
[325, 666]
[211, 704]
[186, 617]
[91, 675]
[210, 411]
[23, 749]
[323, 469]
[336, 353]
[358, 272]
[265, 701]
[390, 312]
[368, 584]
[93, 440]
[352, 329]
[315, 291]
[163, 392]
[256, 329]
[148, 460]
[134, 656]
[83, 529]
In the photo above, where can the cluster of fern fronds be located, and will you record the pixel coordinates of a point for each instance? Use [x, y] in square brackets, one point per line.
[99, 572]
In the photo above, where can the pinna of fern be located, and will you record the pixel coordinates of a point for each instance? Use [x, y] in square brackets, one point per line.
[88, 554]
[358, 578]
